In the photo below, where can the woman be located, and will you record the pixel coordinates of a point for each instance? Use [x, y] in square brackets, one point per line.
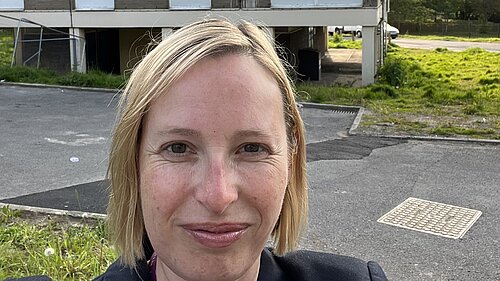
[208, 161]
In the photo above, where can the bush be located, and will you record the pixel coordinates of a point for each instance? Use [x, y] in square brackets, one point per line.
[441, 50]
[394, 71]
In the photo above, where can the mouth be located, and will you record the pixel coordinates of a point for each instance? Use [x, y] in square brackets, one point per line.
[216, 235]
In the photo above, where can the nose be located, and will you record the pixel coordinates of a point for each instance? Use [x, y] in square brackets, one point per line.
[217, 190]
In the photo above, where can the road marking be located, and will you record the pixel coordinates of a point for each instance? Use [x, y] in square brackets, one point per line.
[78, 142]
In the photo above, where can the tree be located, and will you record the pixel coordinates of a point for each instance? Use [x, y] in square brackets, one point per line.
[408, 10]
[444, 8]
[485, 9]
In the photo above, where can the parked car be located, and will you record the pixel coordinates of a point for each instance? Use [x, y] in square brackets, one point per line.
[345, 29]
[392, 31]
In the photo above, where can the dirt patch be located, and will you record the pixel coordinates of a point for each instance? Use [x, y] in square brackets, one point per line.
[403, 124]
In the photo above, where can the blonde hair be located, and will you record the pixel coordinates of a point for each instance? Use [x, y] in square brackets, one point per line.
[152, 77]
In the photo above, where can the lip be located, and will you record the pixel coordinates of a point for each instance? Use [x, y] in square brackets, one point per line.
[216, 235]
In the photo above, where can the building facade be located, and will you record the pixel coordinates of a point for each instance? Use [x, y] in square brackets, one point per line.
[112, 35]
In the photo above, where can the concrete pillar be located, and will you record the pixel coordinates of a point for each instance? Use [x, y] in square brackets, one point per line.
[320, 40]
[18, 56]
[270, 31]
[369, 61]
[165, 32]
[77, 50]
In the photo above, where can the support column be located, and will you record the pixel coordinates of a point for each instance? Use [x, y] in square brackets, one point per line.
[165, 32]
[369, 61]
[270, 30]
[77, 50]
[17, 58]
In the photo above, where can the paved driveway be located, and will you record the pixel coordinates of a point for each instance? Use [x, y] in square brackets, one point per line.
[450, 45]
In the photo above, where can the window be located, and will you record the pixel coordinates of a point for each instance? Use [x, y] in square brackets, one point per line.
[11, 5]
[190, 4]
[95, 4]
[292, 3]
[315, 3]
[340, 3]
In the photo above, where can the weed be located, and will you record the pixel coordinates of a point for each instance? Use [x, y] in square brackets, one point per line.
[441, 50]
[453, 130]
[338, 42]
[474, 108]
[7, 214]
[489, 80]
[337, 38]
[61, 249]
[386, 90]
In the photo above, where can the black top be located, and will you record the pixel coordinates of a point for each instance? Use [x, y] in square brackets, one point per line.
[298, 265]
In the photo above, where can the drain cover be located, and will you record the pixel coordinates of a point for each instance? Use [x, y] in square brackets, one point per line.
[431, 217]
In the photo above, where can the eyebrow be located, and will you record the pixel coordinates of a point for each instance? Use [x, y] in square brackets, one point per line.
[252, 133]
[180, 131]
[194, 133]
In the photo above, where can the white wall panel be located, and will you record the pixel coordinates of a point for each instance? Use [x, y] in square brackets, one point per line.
[11, 5]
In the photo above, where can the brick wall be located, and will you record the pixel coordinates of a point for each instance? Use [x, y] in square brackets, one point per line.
[144, 4]
[47, 4]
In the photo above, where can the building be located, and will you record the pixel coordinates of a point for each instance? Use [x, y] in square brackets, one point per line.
[111, 35]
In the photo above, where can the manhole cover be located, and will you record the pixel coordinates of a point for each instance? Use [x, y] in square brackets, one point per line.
[431, 217]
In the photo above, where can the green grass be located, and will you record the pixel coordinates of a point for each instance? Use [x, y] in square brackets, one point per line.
[452, 38]
[94, 78]
[80, 250]
[6, 47]
[338, 41]
[427, 92]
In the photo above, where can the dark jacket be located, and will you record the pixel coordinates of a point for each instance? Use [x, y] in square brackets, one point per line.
[298, 265]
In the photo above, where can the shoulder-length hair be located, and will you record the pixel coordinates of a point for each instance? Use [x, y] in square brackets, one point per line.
[154, 76]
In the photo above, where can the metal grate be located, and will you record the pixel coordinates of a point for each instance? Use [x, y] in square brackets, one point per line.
[431, 217]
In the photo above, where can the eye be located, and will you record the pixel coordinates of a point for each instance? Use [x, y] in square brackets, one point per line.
[252, 148]
[177, 148]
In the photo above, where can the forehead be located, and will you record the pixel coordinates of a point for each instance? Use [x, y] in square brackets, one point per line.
[220, 89]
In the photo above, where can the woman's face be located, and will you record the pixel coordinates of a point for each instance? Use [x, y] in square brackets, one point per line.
[213, 170]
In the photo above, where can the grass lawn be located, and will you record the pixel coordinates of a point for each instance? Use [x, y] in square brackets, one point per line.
[338, 41]
[60, 247]
[422, 92]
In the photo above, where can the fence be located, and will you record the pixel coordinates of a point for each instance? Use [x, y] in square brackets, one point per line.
[458, 28]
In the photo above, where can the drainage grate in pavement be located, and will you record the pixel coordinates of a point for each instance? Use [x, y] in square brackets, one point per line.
[432, 217]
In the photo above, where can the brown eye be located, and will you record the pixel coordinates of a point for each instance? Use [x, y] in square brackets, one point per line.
[177, 148]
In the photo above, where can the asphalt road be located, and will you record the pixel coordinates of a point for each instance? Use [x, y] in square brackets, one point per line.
[353, 181]
[450, 45]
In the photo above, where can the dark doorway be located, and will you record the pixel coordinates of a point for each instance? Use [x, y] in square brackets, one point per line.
[103, 50]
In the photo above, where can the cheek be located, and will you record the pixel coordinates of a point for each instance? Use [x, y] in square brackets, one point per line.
[265, 186]
[162, 191]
